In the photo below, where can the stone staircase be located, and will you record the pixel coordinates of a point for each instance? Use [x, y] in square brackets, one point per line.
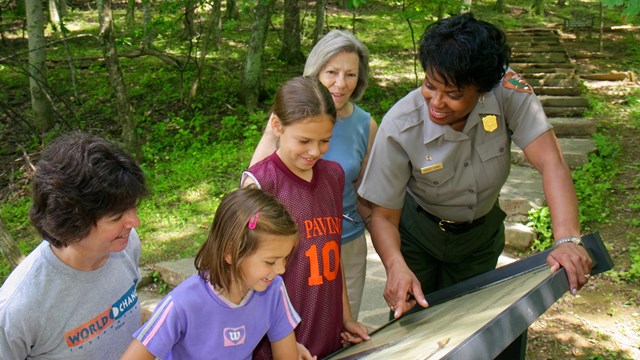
[538, 55]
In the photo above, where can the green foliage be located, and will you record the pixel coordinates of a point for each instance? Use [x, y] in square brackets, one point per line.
[14, 215]
[355, 4]
[378, 99]
[631, 62]
[634, 112]
[633, 272]
[186, 183]
[631, 8]
[593, 183]
[162, 286]
[540, 221]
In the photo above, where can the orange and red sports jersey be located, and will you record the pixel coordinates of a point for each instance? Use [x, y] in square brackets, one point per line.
[313, 275]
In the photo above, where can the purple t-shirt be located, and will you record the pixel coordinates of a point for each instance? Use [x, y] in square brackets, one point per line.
[195, 322]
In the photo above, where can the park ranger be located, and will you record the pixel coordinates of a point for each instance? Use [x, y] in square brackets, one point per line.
[441, 156]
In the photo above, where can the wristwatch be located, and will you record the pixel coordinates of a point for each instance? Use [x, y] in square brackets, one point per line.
[574, 239]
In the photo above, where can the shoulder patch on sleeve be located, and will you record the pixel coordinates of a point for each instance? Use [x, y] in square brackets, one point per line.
[514, 81]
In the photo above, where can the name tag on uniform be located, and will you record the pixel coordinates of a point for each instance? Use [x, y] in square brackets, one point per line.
[430, 168]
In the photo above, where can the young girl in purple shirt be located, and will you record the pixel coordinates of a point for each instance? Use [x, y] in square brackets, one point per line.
[237, 296]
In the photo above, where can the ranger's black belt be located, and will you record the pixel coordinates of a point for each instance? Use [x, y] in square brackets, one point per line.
[451, 226]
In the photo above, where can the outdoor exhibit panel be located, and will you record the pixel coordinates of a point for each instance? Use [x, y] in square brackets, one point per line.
[477, 318]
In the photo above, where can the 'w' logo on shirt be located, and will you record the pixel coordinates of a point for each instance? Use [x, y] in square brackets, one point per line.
[234, 336]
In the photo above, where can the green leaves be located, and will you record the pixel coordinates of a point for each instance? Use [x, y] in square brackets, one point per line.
[540, 221]
[631, 8]
[593, 183]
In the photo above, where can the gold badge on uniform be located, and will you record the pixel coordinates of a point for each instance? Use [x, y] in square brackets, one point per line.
[489, 123]
[430, 168]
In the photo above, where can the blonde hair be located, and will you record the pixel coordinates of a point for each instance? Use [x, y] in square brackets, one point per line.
[242, 217]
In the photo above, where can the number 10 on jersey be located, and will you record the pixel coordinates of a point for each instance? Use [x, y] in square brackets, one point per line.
[329, 267]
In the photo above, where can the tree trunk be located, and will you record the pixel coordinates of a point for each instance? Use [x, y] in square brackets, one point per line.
[57, 10]
[291, 52]
[442, 6]
[216, 29]
[116, 79]
[40, 102]
[130, 18]
[318, 31]
[499, 6]
[209, 33]
[189, 16]
[538, 7]
[232, 10]
[149, 35]
[9, 248]
[252, 75]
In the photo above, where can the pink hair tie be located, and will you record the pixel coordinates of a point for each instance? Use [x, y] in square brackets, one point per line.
[253, 221]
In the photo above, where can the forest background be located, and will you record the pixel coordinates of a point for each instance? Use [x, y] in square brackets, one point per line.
[186, 87]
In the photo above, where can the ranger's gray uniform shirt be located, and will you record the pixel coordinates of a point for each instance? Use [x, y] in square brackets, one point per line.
[454, 175]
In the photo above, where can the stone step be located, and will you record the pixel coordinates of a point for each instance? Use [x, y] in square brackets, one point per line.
[556, 82]
[534, 50]
[531, 72]
[170, 272]
[557, 90]
[545, 67]
[518, 236]
[562, 111]
[175, 272]
[522, 192]
[575, 151]
[538, 49]
[564, 101]
[553, 57]
[532, 36]
[550, 76]
[573, 126]
[528, 41]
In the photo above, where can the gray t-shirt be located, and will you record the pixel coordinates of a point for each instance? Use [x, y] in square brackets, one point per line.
[49, 310]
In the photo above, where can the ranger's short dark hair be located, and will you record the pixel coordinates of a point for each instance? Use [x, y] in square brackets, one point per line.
[465, 51]
[79, 179]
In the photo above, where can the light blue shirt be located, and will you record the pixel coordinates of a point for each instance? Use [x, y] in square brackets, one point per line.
[348, 147]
